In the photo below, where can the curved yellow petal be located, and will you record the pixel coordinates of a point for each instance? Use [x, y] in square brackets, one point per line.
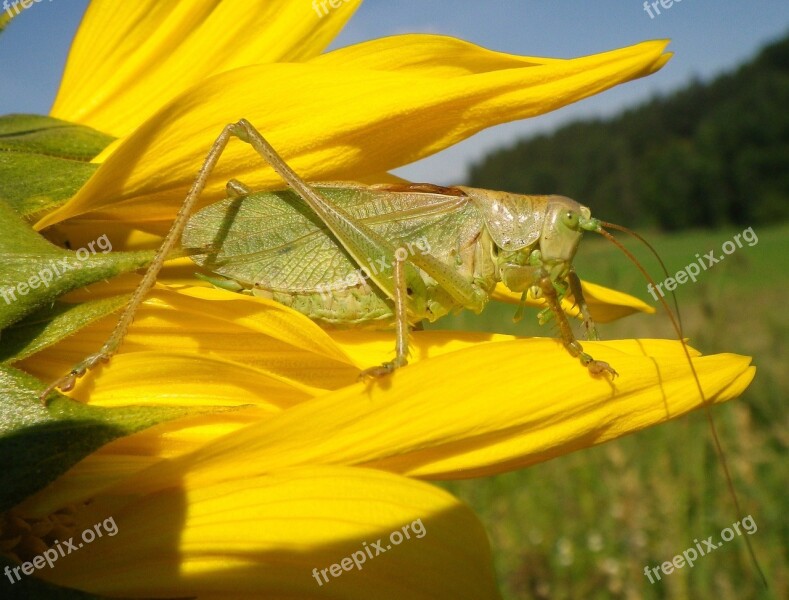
[189, 379]
[206, 346]
[182, 349]
[126, 456]
[608, 305]
[271, 536]
[445, 56]
[605, 304]
[332, 122]
[130, 58]
[217, 347]
[442, 56]
[501, 406]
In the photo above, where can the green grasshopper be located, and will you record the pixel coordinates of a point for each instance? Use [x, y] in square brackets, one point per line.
[351, 254]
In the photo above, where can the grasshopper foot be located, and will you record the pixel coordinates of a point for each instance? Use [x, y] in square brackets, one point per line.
[376, 372]
[382, 370]
[67, 382]
[597, 367]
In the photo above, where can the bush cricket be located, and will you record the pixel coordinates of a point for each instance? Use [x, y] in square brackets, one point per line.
[383, 255]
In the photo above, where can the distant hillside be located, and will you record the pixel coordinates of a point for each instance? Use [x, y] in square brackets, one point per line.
[706, 155]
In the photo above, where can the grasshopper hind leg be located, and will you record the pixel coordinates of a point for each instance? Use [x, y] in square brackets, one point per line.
[110, 347]
[401, 325]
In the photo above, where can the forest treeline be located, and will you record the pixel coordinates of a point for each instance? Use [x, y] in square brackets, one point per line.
[707, 155]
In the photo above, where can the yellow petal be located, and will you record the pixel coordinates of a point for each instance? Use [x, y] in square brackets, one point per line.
[191, 380]
[605, 304]
[267, 536]
[130, 58]
[126, 456]
[204, 346]
[441, 56]
[182, 349]
[608, 305]
[331, 122]
[483, 410]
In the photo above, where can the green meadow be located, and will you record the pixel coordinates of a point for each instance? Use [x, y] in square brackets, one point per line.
[587, 524]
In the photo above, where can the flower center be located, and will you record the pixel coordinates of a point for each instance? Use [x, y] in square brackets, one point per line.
[23, 538]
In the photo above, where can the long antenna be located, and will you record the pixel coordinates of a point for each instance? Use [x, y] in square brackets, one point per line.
[704, 401]
[655, 254]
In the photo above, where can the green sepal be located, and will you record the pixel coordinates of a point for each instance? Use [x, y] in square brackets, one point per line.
[51, 324]
[39, 134]
[25, 255]
[44, 161]
[38, 443]
[34, 184]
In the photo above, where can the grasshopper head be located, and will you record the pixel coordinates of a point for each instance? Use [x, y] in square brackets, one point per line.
[563, 224]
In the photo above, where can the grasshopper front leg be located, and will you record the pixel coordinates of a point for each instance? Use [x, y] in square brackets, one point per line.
[596, 367]
[580, 302]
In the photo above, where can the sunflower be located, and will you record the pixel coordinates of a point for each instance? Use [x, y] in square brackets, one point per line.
[275, 472]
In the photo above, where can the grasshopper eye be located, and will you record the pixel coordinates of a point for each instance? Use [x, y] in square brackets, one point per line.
[571, 219]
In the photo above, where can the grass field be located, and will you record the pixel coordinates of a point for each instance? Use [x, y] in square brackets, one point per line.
[586, 525]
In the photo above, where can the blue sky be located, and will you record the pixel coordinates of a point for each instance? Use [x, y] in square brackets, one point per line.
[707, 38]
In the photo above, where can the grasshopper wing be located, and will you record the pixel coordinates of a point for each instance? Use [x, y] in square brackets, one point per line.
[273, 241]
